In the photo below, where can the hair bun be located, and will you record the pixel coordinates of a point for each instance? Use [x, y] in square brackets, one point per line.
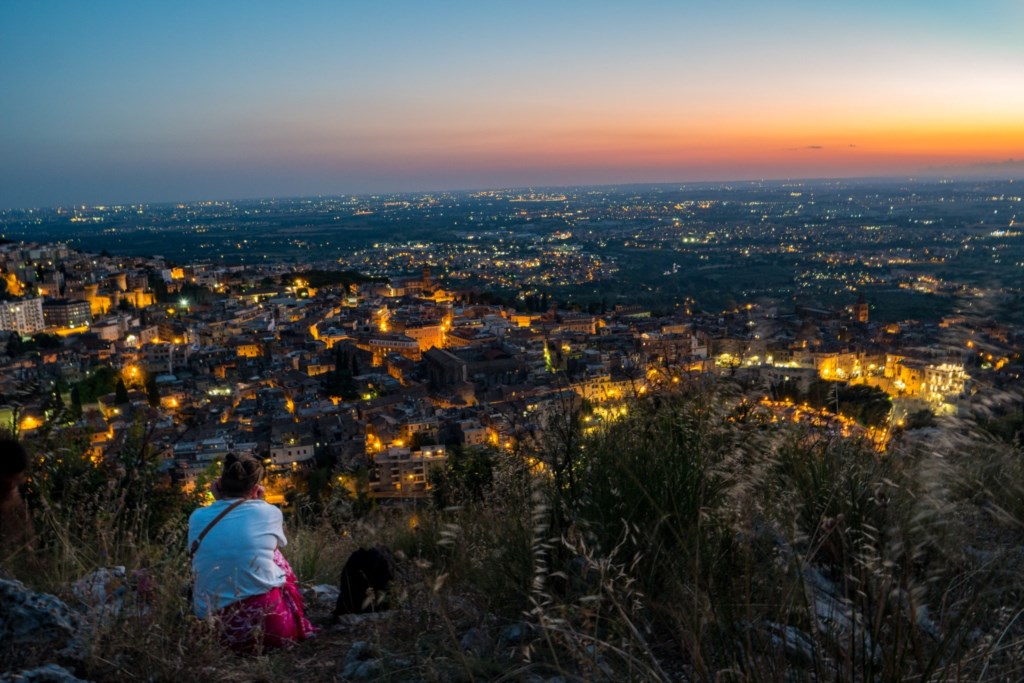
[241, 473]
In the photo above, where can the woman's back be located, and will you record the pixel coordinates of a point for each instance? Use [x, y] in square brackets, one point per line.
[235, 560]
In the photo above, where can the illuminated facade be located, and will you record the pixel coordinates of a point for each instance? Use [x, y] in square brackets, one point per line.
[292, 449]
[24, 317]
[427, 336]
[400, 344]
[66, 313]
[401, 473]
[936, 383]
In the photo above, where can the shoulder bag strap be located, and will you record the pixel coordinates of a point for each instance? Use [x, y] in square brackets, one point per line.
[202, 534]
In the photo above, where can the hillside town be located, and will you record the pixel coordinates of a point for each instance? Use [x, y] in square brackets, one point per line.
[386, 375]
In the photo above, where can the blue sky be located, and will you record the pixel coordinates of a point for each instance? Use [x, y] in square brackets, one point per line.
[143, 101]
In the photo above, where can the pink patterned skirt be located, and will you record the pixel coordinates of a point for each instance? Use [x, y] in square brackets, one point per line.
[274, 619]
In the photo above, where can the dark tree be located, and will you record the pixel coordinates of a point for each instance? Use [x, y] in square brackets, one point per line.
[76, 403]
[53, 404]
[47, 341]
[152, 392]
[339, 382]
[120, 392]
[101, 381]
[14, 345]
[420, 439]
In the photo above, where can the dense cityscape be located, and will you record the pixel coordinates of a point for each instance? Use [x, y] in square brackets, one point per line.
[559, 342]
[369, 335]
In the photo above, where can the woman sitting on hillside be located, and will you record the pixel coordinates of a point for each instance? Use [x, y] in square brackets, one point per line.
[241, 577]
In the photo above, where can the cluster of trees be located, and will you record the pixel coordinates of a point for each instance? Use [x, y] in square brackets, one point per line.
[466, 478]
[101, 381]
[537, 303]
[487, 298]
[870, 406]
[341, 381]
[18, 345]
[542, 302]
[148, 383]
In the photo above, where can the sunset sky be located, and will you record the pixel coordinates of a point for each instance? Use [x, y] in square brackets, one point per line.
[104, 102]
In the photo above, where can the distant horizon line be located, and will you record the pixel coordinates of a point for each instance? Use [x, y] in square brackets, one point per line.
[927, 177]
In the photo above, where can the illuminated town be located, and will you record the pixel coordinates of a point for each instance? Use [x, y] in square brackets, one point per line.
[376, 357]
[553, 342]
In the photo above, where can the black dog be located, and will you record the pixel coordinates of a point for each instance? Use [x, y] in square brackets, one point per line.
[364, 582]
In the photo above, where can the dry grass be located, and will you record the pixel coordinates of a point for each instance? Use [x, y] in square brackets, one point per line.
[693, 540]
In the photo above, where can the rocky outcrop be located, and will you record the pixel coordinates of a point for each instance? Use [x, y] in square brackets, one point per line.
[110, 593]
[36, 628]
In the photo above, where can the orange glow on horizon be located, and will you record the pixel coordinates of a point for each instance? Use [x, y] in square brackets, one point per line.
[776, 144]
